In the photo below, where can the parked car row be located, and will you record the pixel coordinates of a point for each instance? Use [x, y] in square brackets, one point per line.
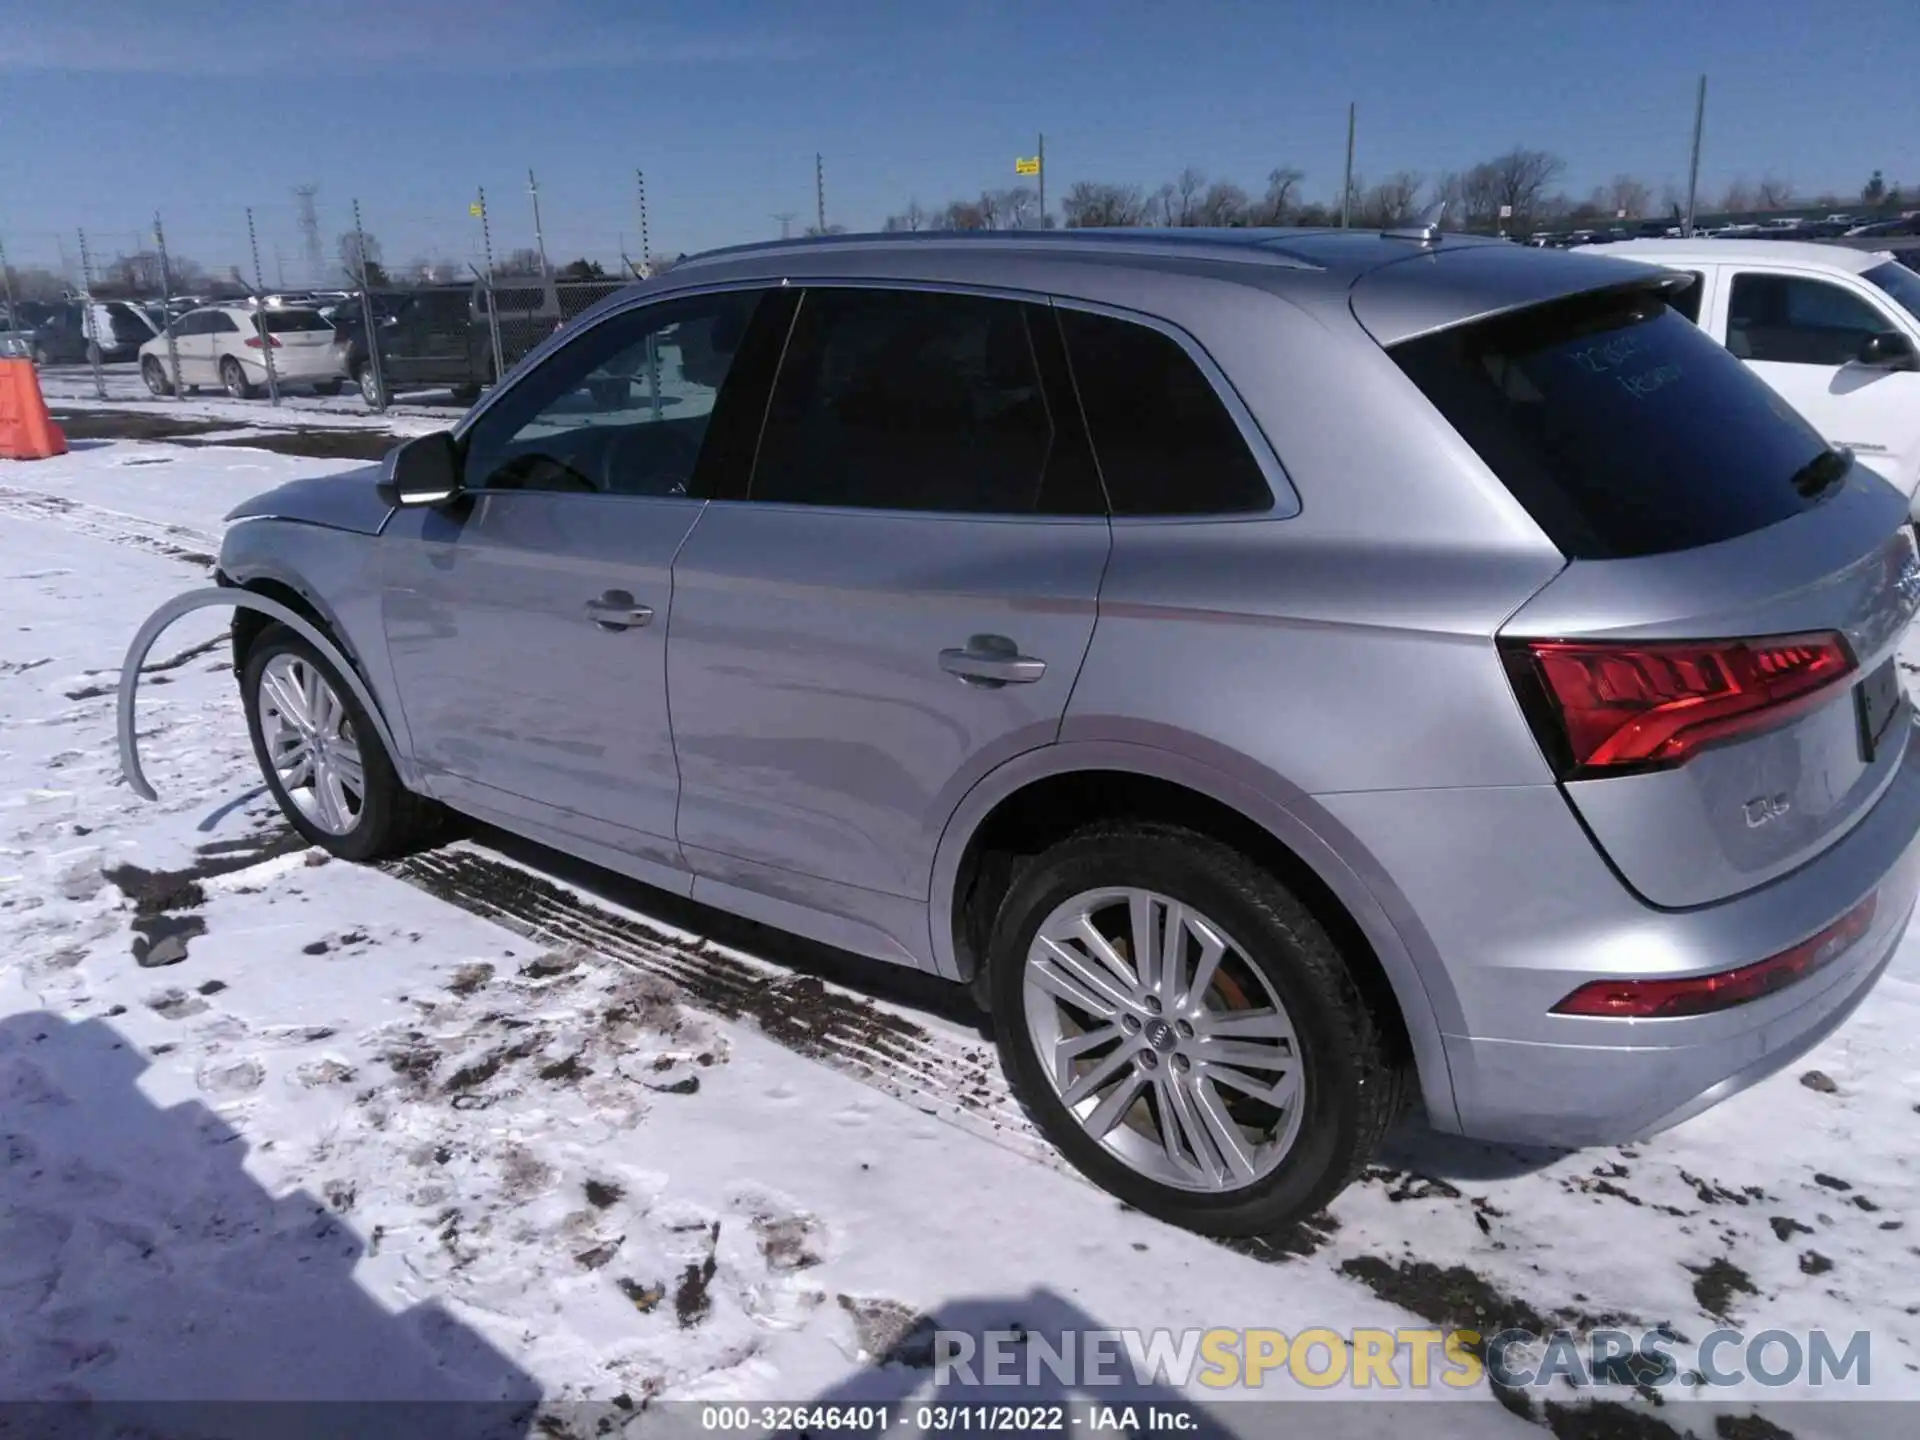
[1520, 736]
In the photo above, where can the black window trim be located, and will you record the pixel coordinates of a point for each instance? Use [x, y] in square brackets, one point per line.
[1286, 499]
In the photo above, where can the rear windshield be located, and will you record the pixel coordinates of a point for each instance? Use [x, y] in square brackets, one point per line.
[1621, 427]
[281, 322]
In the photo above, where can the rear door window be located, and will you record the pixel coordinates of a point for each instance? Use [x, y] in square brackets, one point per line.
[1164, 440]
[1796, 320]
[912, 400]
[1621, 427]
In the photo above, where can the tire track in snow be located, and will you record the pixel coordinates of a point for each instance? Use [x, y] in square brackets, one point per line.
[954, 1080]
[157, 537]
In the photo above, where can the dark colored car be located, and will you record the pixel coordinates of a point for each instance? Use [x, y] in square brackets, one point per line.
[430, 338]
[119, 330]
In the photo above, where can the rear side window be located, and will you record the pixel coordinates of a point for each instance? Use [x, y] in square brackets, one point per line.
[1622, 428]
[284, 322]
[1165, 442]
[911, 400]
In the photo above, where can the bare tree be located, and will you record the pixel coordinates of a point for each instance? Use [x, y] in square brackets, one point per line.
[1179, 201]
[1224, 203]
[1519, 180]
[817, 231]
[1738, 198]
[1629, 197]
[914, 217]
[1774, 193]
[1019, 208]
[35, 282]
[963, 215]
[1090, 203]
[351, 258]
[1394, 201]
[1281, 200]
[523, 261]
[1874, 192]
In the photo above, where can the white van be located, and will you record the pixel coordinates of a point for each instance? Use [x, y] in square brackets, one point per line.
[1835, 331]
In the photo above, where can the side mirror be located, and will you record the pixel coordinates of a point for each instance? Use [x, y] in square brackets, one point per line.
[1889, 350]
[424, 471]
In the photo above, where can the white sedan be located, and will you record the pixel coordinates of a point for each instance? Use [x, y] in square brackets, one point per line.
[230, 345]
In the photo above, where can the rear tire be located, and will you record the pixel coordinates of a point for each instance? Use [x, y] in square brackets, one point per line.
[371, 813]
[233, 379]
[371, 389]
[466, 394]
[1236, 1163]
[155, 375]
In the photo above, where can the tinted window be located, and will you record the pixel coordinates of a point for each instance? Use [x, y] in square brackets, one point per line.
[1898, 281]
[904, 400]
[623, 409]
[221, 323]
[1621, 427]
[1687, 301]
[1165, 442]
[1794, 321]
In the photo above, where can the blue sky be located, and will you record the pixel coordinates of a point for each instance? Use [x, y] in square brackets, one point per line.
[113, 108]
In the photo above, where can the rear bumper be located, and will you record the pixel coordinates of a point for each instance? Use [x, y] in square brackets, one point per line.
[297, 369]
[1508, 908]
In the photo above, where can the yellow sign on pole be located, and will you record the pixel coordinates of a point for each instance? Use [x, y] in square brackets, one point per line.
[475, 211]
[1026, 165]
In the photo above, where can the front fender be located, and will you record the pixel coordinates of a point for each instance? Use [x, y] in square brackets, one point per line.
[158, 622]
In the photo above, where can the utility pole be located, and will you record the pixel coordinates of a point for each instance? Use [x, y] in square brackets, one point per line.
[1040, 156]
[1693, 168]
[1346, 187]
[539, 237]
[819, 194]
[785, 217]
[309, 234]
[646, 245]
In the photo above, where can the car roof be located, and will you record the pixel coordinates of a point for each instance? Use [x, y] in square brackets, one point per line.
[1789, 252]
[1463, 277]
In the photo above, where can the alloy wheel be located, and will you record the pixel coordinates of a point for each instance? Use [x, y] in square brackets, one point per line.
[310, 741]
[1163, 1041]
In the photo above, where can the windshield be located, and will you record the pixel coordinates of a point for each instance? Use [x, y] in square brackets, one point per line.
[1899, 282]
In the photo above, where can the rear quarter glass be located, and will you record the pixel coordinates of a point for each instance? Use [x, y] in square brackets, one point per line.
[1621, 427]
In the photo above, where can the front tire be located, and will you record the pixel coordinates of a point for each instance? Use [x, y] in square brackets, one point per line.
[371, 390]
[233, 379]
[328, 387]
[320, 755]
[155, 375]
[1185, 1031]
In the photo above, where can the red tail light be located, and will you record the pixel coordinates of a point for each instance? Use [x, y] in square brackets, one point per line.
[1612, 708]
[1700, 994]
[254, 342]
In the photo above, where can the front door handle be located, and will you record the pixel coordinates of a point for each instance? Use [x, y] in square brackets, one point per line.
[617, 610]
[991, 661]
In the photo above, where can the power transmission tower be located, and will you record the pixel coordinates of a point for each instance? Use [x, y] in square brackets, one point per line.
[819, 194]
[310, 232]
[785, 217]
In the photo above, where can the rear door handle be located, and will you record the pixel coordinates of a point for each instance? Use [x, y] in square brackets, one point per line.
[992, 661]
[617, 610]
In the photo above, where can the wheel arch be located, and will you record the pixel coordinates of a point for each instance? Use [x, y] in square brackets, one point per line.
[244, 599]
[1042, 795]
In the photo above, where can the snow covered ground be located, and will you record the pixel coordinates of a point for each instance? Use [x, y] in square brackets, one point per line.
[273, 1127]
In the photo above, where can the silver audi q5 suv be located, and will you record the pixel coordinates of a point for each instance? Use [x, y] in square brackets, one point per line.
[1288, 674]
